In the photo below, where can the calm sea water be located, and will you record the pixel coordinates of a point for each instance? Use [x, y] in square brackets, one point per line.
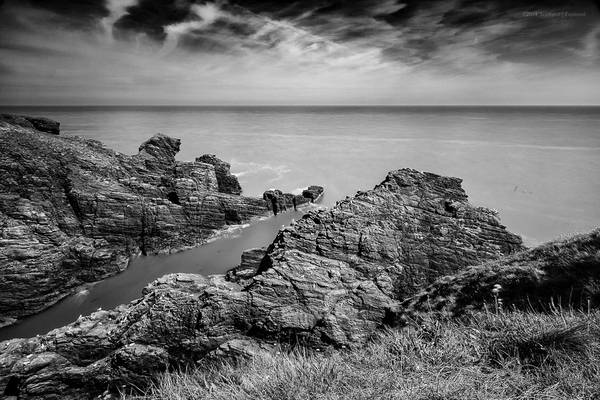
[538, 166]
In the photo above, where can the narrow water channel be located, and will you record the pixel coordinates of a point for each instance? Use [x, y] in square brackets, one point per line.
[212, 258]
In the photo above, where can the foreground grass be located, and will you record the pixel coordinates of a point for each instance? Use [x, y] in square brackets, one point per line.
[485, 356]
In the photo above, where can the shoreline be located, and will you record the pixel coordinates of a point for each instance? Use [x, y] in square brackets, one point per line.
[99, 209]
[328, 282]
[225, 234]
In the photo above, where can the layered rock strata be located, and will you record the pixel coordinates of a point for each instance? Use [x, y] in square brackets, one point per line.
[73, 211]
[331, 279]
[226, 182]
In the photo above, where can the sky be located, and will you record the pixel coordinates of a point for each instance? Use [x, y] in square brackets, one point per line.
[308, 52]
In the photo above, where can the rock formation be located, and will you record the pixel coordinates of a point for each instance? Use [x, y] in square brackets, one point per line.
[249, 265]
[276, 199]
[564, 273]
[227, 183]
[73, 211]
[39, 123]
[331, 279]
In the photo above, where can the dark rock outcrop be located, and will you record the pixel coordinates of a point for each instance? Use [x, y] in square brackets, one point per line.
[564, 273]
[331, 279]
[73, 211]
[159, 150]
[39, 123]
[285, 201]
[227, 182]
[312, 193]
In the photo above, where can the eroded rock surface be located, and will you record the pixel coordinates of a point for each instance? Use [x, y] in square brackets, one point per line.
[331, 279]
[227, 182]
[73, 211]
[249, 265]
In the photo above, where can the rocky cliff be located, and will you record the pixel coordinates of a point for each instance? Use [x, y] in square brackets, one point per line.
[73, 211]
[331, 279]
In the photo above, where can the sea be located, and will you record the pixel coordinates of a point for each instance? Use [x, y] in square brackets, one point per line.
[539, 167]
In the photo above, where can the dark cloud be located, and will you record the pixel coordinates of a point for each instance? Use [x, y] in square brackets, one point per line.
[151, 17]
[410, 32]
[70, 14]
[84, 9]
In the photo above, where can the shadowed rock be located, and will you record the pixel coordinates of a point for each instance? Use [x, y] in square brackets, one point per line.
[41, 124]
[227, 182]
[160, 148]
[249, 265]
[73, 211]
[564, 273]
[285, 201]
[332, 279]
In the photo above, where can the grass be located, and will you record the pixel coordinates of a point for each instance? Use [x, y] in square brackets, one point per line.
[512, 355]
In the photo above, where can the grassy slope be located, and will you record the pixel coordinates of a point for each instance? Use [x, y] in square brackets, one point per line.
[513, 355]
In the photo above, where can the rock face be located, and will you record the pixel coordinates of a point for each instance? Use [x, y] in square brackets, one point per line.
[73, 211]
[227, 182]
[39, 123]
[312, 193]
[331, 279]
[249, 265]
[276, 199]
[563, 273]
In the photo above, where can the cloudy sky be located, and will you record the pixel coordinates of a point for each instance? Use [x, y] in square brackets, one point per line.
[186, 52]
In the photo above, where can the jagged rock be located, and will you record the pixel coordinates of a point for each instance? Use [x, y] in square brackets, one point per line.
[332, 279]
[160, 148]
[227, 182]
[285, 201]
[312, 193]
[41, 124]
[563, 273]
[72, 211]
[251, 260]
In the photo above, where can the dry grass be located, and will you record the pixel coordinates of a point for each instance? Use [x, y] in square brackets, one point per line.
[512, 355]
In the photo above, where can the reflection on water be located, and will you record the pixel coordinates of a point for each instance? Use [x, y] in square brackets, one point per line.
[214, 257]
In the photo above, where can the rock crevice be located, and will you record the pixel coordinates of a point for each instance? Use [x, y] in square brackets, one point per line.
[73, 211]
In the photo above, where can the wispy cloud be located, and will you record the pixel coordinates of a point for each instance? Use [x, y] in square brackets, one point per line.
[259, 51]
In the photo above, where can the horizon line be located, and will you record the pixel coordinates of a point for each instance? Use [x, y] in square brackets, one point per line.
[294, 105]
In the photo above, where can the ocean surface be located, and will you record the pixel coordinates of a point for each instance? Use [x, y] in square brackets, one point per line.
[538, 166]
